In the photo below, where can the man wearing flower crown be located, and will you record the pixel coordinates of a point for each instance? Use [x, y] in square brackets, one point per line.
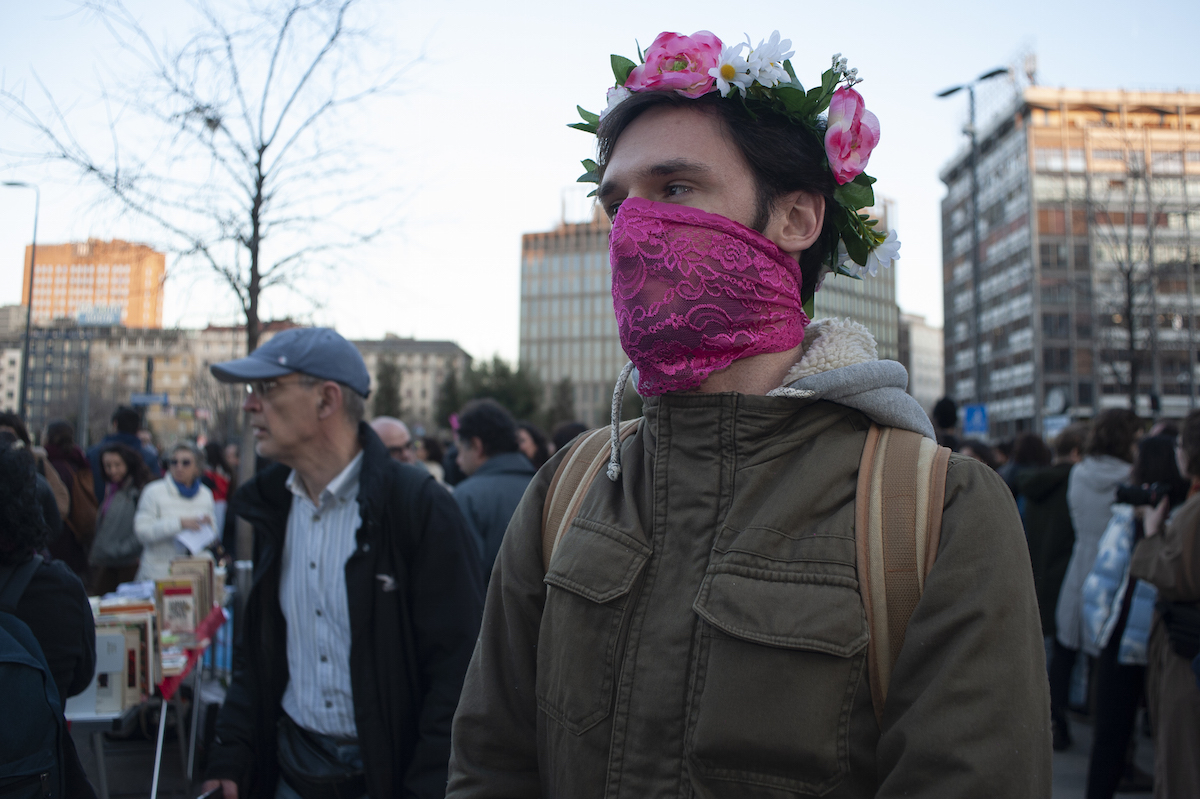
[700, 628]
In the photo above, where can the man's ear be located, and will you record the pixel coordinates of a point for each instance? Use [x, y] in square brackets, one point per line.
[797, 221]
[330, 400]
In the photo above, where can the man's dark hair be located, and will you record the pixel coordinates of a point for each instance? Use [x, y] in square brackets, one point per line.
[23, 531]
[783, 157]
[488, 421]
[60, 433]
[1112, 433]
[1030, 450]
[1070, 439]
[945, 413]
[9, 419]
[135, 466]
[127, 420]
[1155, 463]
[1189, 442]
[979, 450]
[565, 432]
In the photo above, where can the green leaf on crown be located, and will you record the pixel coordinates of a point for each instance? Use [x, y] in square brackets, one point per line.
[621, 67]
[588, 116]
[586, 127]
[856, 248]
[809, 310]
[855, 195]
[787, 67]
[793, 99]
[589, 165]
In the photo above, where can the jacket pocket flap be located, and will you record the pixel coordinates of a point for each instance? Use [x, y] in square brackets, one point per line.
[596, 562]
[818, 612]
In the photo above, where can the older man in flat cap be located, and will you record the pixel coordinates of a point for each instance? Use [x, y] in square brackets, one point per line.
[366, 597]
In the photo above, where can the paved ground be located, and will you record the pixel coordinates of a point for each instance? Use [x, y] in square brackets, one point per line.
[1070, 767]
[131, 764]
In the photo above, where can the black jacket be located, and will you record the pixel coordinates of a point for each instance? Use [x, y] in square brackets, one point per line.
[56, 609]
[1049, 533]
[411, 637]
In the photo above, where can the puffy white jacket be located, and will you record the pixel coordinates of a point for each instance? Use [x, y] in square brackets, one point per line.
[158, 522]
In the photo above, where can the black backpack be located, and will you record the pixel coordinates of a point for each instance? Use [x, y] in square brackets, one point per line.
[31, 735]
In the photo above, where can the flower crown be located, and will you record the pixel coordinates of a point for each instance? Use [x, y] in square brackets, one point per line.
[762, 79]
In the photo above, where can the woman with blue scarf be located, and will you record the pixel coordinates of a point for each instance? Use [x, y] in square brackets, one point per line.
[168, 507]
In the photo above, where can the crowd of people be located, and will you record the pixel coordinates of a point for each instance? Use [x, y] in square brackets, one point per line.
[1117, 585]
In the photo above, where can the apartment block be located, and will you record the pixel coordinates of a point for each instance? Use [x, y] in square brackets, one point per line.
[1088, 220]
[118, 281]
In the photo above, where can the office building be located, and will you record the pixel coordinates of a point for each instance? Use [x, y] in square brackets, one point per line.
[920, 346]
[568, 330]
[423, 367]
[1087, 210]
[99, 282]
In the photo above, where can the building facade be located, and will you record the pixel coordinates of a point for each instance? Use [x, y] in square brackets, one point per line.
[568, 329]
[1087, 221]
[423, 367]
[118, 280]
[921, 352]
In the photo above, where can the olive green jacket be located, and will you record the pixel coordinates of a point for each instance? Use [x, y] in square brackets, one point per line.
[700, 630]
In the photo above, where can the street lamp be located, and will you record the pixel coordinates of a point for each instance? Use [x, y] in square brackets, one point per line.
[976, 266]
[37, 202]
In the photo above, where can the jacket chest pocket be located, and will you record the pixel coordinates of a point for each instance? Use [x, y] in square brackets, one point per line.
[588, 585]
[783, 649]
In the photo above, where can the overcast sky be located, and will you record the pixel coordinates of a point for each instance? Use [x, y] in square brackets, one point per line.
[478, 152]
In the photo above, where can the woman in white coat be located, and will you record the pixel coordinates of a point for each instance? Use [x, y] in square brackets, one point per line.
[169, 506]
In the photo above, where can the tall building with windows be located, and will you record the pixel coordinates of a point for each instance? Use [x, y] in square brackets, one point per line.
[118, 280]
[568, 329]
[1089, 217]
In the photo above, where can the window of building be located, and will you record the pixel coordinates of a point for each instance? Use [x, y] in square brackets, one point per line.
[1166, 163]
[1076, 160]
[1052, 256]
[1048, 160]
[1056, 359]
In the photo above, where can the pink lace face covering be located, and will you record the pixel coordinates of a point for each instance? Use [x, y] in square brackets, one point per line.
[694, 291]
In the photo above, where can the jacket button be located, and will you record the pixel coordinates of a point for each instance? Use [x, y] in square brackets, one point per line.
[324, 659]
[366, 547]
[328, 703]
[316, 517]
[312, 564]
[318, 611]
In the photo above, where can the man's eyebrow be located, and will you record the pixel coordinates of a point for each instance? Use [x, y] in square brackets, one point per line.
[674, 166]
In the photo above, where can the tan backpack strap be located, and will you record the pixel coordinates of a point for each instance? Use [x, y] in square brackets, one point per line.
[898, 519]
[571, 481]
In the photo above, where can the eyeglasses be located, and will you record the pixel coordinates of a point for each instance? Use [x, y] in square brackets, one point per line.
[181, 462]
[263, 388]
[403, 448]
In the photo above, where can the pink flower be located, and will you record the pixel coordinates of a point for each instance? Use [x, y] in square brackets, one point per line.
[679, 63]
[851, 135]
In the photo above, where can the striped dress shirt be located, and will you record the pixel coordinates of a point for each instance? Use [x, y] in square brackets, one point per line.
[312, 593]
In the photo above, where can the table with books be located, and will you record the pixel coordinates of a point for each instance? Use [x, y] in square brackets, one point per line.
[149, 638]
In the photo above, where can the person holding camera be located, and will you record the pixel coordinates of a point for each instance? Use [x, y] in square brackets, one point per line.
[1169, 558]
[1117, 615]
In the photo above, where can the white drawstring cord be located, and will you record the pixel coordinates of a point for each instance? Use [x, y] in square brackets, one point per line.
[614, 443]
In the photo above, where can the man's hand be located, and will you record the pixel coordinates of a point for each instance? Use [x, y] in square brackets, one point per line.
[228, 788]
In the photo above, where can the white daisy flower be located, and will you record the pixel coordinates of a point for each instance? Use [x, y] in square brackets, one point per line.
[766, 60]
[883, 255]
[732, 70]
[616, 96]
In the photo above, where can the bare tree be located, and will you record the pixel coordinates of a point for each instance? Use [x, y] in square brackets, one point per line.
[236, 145]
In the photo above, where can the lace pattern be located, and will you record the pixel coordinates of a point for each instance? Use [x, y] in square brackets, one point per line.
[694, 291]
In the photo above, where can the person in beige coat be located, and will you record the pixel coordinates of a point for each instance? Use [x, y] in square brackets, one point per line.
[169, 506]
[1170, 560]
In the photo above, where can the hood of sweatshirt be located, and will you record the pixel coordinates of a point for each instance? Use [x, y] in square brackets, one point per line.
[840, 363]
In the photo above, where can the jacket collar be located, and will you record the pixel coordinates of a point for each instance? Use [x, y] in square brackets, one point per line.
[266, 500]
[506, 463]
